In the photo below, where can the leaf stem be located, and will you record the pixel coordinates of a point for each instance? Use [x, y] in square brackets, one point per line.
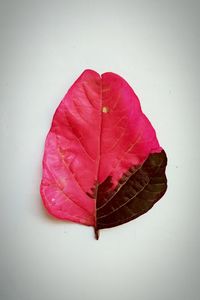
[96, 232]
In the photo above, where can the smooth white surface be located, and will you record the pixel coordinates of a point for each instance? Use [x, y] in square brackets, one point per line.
[45, 45]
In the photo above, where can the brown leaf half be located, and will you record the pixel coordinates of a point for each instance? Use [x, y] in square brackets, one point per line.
[138, 190]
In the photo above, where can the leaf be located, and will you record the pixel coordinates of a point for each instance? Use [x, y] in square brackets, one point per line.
[102, 164]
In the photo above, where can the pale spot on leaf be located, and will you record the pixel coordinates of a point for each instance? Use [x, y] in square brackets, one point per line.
[105, 109]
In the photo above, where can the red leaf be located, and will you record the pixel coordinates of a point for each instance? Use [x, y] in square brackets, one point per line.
[102, 164]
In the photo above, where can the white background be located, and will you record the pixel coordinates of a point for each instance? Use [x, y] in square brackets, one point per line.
[45, 45]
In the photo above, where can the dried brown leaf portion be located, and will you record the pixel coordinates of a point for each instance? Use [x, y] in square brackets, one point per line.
[135, 194]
